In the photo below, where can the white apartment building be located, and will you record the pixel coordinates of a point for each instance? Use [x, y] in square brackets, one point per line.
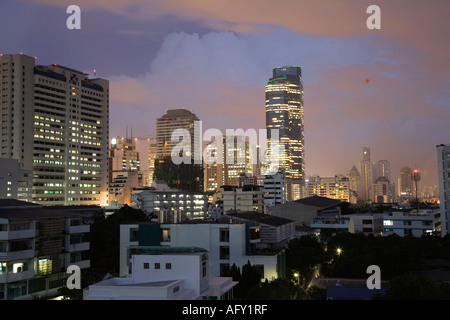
[55, 121]
[228, 242]
[443, 158]
[371, 223]
[162, 273]
[274, 188]
[366, 223]
[37, 245]
[410, 223]
[274, 231]
[160, 197]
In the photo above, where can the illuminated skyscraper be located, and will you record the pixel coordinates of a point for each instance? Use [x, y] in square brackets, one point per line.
[55, 122]
[383, 169]
[152, 149]
[187, 176]
[123, 155]
[284, 112]
[366, 174]
[225, 172]
[175, 119]
[354, 179]
[405, 183]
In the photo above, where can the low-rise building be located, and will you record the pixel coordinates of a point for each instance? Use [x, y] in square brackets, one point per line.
[37, 245]
[332, 224]
[411, 222]
[366, 223]
[275, 188]
[160, 197]
[165, 273]
[242, 198]
[15, 181]
[303, 211]
[274, 231]
[122, 184]
[228, 242]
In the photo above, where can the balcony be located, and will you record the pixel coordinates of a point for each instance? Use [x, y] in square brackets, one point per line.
[19, 276]
[17, 255]
[82, 228]
[83, 264]
[82, 246]
[19, 234]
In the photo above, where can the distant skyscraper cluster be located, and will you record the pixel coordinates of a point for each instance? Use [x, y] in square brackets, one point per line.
[55, 149]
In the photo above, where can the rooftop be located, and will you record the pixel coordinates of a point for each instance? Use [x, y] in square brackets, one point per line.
[21, 210]
[166, 250]
[318, 201]
[13, 203]
[261, 218]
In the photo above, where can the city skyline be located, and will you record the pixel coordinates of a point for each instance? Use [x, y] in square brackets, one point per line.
[387, 88]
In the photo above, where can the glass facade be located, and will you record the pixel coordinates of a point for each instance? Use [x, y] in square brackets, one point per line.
[284, 111]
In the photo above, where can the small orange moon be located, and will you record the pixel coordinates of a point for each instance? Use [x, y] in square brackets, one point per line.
[367, 80]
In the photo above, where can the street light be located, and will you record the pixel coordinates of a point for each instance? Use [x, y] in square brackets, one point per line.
[298, 278]
[339, 251]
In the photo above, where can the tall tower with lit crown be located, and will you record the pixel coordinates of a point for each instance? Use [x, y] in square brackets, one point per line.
[284, 112]
[366, 173]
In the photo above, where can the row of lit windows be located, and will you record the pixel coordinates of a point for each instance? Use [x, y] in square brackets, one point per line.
[49, 162]
[47, 119]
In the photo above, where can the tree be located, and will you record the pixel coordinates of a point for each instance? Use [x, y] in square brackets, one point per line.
[105, 238]
[302, 257]
[412, 286]
[278, 289]
[315, 293]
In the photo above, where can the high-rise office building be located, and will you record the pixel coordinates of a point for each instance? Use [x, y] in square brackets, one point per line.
[123, 155]
[366, 174]
[354, 180]
[284, 112]
[382, 191]
[443, 158]
[234, 160]
[165, 126]
[186, 176]
[152, 152]
[382, 169]
[55, 121]
[124, 169]
[405, 183]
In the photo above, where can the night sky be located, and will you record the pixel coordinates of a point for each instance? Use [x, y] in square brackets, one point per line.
[388, 88]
